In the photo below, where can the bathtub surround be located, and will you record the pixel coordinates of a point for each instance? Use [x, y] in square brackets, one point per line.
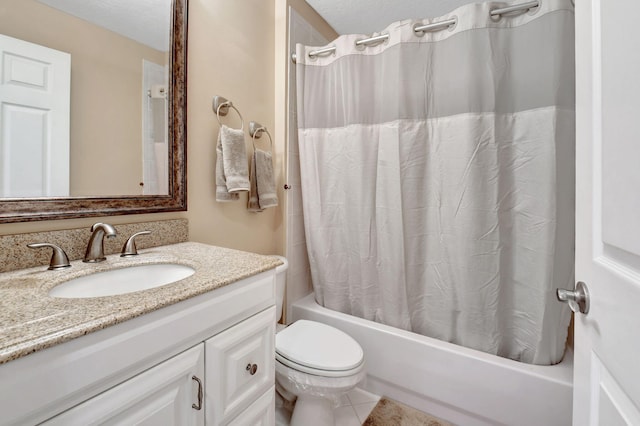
[16, 254]
[437, 174]
[390, 412]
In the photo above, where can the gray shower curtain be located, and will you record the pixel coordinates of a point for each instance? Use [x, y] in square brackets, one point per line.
[438, 178]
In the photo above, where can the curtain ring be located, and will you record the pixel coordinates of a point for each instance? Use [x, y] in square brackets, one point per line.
[258, 130]
[230, 105]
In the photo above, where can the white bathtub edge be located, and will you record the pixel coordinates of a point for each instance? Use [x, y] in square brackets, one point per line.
[459, 384]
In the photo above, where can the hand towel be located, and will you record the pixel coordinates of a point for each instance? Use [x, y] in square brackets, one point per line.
[253, 205]
[263, 185]
[222, 194]
[232, 174]
[234, 155]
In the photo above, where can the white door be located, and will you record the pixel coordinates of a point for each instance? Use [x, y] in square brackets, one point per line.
[34, 119]
[170, 393]
[607, 339]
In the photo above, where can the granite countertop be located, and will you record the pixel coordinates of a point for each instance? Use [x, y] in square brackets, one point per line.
[31, 320]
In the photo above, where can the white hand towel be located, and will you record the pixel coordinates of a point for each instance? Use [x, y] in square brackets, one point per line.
[222, 194]
[234, 155]
[263, 185]
[232, 174]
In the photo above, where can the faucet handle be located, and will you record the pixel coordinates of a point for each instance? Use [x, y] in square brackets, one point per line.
[129, 248]
[59, 259]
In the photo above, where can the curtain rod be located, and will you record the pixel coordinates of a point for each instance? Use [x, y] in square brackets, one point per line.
[436, 26]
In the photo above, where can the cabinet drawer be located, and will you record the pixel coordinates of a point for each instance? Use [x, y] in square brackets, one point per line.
[240, 366]
[260, 413]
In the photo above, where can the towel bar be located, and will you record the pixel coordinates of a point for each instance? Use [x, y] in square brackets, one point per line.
[256, 130]
[221, 107]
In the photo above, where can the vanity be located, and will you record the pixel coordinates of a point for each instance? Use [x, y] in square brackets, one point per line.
[197, 351]
[194, 352]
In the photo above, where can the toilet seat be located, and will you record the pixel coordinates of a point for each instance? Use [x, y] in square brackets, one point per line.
[282, 361]
[318, 349]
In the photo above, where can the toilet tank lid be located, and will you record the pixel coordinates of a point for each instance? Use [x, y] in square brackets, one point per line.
[319, 346]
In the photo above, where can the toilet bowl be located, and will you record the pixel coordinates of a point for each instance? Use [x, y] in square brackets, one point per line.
[316, 363]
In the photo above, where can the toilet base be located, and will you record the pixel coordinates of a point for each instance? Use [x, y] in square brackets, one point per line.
[310, 407]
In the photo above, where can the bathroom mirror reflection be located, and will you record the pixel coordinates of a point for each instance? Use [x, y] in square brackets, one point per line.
[93, 107]
[85, 80]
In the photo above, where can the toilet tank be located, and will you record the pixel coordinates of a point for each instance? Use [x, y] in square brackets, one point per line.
[281, 278]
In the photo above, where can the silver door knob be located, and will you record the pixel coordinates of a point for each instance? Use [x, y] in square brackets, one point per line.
[577, 299]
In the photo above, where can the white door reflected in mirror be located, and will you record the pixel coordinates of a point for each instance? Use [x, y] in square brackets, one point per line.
[120, 50]
[34, 120]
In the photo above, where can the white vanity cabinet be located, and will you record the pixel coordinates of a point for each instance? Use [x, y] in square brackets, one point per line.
[242, 369]
[261, 413]
[142, 371]
[166, 394]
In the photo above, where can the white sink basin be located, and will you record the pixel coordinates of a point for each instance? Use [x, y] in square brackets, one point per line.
[121, 281]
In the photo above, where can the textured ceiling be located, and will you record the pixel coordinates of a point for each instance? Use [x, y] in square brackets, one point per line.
[146, 21]
[369, 16]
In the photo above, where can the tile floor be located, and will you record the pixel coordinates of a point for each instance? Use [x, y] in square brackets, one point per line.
[352, 410]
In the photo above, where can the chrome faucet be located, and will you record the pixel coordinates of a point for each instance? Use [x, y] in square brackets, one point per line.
[95, 248]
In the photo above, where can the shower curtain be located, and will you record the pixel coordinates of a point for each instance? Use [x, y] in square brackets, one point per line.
[438, 177]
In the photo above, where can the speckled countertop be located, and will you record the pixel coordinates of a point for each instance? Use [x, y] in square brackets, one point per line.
[31, 320]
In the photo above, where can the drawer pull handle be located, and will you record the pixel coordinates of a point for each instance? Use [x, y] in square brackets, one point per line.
[252, 368]
[198, 406]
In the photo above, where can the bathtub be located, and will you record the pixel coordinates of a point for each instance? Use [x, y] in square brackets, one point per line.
[461, 385]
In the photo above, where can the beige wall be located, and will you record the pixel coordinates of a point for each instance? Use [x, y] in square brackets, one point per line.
[106, 94]
[231, 45]
[231, 53]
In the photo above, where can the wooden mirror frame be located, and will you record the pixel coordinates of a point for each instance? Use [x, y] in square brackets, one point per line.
[33, 209]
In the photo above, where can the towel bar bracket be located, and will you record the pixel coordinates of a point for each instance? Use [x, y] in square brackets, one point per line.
[256, 129]
[221, 105]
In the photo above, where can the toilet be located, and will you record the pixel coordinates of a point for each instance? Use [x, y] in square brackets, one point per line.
[315, 362]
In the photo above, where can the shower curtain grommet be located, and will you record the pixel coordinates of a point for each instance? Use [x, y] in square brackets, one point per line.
[435, 26]
[535, 10]
[453, 27]
[359, 47]
[418, 33]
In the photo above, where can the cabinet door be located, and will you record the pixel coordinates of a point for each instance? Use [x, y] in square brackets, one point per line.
[240, 366]
[261, 413]
[162, 395]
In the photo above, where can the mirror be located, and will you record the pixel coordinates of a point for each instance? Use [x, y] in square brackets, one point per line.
[125, 149]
